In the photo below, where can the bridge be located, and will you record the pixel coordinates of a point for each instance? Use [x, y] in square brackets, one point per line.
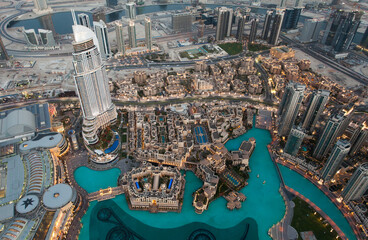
[105, 194]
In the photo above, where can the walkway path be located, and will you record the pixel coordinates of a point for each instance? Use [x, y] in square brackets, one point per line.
[349, 217]
[324, 215]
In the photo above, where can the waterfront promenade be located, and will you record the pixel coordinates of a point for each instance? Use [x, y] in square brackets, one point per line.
[348, 216]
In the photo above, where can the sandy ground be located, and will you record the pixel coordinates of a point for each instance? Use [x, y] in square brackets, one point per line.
[327, 71]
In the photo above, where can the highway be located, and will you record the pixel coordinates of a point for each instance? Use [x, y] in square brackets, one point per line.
[308, 50]
[4, 24]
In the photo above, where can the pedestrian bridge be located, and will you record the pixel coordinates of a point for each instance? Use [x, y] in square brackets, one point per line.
[105, 194]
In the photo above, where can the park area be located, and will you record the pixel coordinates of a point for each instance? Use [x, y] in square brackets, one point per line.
[232, 48]
[306, 219]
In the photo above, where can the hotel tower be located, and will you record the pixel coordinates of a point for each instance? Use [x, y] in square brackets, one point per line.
[92, 84]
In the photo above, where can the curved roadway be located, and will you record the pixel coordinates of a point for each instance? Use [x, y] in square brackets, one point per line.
[4, 23]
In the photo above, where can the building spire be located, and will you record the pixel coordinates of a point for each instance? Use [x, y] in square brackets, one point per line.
[74, 18]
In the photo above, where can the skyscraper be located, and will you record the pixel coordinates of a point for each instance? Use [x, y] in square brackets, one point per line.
[31, 37]
[103, 40]
[120, 37]
[311, 30]
[294, 141]
[240, 30]
[338, 153]
[358, 139]
[131, 11]
[111, 3]
[3, 53]
[224, 23]
[289, 107]
[147, 28]
[357, 185]
[364, 41]
[132, 35]
[267, 25]
[182, 22]
[92, 84]
[298, 3]
[276, 27]
[253, 30]
[341, 29]
[283, 3]
[315, 108]
[84, 20]
[291, 18]
[329, 135]
[47, 38]
[41, 6]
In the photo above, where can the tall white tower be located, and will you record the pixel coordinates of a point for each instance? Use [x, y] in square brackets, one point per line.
[103, 40]
[131, 11]
[132, 35]
[147, 27]
[92, 83]
[120, 37]
[84, 20]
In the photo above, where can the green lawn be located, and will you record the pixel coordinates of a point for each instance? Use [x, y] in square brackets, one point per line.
[255, 47]
[232, 48]
[305, 220]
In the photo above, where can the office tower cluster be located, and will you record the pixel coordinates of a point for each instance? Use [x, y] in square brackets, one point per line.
[224, 23]
[182, 22]
[315, 108]
[43, 40]
[101, 32]
[311, 30]
[92, 83]
[291, 18]
[289, 107]
[341, 29]
[337, 155]
[272, 26]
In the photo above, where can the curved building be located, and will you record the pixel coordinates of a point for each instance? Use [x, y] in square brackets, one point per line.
[53, 141]
[59, 196]
[92, 83]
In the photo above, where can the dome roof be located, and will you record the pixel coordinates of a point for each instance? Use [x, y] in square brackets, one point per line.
[57, 196]
[27, 204]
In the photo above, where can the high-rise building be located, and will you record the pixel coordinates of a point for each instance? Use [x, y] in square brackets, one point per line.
[357, 185]
[283, 3]
[111, 3]
[92, 84]
[148, 32]
[41, 6]
[84, 20]
[311, 30]
[291, 18]
[46, 38]
[182, 22]
[294, 141]
[364, 41]
[289, 107]
[31, 37]
[240, 30]
[120, 37]
[315, 108]
[329, 136]
[298, 3]
[253, 30]
[47, 23]
[3, 53]
[358, 139]
[132, 35]
[338, 153]
[267, 25]
[224, 23]
[341, 29]
[276, 27]
[99, 14]
[103, 40]
[131, 11]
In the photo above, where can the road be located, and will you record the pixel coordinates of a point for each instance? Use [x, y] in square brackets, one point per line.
[326, 60]
[4, 24]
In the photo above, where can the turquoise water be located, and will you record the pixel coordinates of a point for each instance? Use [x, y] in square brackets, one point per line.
[309, 190]
[264, 203]
[92, 181]
[263, 207]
